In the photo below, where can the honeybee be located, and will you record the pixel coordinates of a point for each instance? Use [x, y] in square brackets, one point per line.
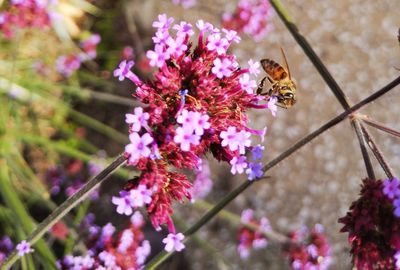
[282, 85]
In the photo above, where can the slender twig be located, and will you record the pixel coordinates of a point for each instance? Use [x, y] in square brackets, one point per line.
[162, 256]
[327, 77]
[378, 153]
[66, 206]
[378, 125]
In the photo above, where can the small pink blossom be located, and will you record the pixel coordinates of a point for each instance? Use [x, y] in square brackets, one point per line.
[183, 29]
[231, 35]
[161, 36]
[238, 164]
[138, 147]
[24, 248]
[222, 68]
[247, 84]
[254, 67]
[124, 203]
[218, 44]
[137, 120]
[123, 69]
[229, 138]
[185, 3]
[174, 242]
[272, 105]
[185, 138]
[163, 22]
[158, 56]
[176, 47]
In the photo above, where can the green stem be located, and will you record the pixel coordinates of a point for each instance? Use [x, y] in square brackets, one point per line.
[162, 256]
[66, 206]
[327, 77]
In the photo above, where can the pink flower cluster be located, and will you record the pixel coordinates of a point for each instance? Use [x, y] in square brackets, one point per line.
[252, 17]
[67, 64]
[24, 14]
[373, 224]
[126, 250]
[197, 103]
[249, 238]
[308, 250]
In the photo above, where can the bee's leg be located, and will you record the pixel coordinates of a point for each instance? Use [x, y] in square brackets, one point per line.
[261, 86]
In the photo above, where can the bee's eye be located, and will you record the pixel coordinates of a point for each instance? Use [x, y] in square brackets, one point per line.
[288, 95]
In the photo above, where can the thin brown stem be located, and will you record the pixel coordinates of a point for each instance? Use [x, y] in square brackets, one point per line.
[378, 153]
[378, 125]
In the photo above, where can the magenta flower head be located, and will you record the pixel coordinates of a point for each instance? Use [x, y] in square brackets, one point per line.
[196, 103]
[373, 225]
[251, 239]
[309, 249]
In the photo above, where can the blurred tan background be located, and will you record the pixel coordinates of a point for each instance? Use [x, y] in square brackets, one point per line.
[357, 41]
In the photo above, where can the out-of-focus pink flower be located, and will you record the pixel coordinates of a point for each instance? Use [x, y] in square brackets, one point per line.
[67, 64]
[251, 17]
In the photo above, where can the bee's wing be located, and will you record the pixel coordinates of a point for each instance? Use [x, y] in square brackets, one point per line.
[273, 69]
[286, 63]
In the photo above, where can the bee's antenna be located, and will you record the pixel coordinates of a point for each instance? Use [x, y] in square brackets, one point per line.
[286, 63]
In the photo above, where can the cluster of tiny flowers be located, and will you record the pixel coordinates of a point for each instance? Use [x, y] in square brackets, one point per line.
[196, 104]
[252, 239]
[24, 14]
[252, 17]
[202, 184]
[6, 246]
[109, 250]
[373, 225]
[67, 64]
[308, 249]
[64, 181]
[185, 3]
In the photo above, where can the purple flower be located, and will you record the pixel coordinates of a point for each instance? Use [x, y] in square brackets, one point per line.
[124, 203]
[222, 68]
[138, 147]
[163, 22]
[142, 252]
[108, 230]
[254, 171]
[185, 3]
[137, 219]
[247, 84]
[174, 242]
[24, 248]
[238, 164]
[176, 47]
[137, 120]
[397, 259]
[247, 215]
[272, 105]
[231, 35]
[254, 67]
[391, 188]
[229, 138]
[186, 137]
[125, 241]
[218, 44]
[108, 259]
[161, 36]
[243, 141]
[158, 56]
[183, 29]
[141, 196]
[202, 184]
[201, 124]
[123, 69]
[396, 204]
[67, 64]
[257, 152]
